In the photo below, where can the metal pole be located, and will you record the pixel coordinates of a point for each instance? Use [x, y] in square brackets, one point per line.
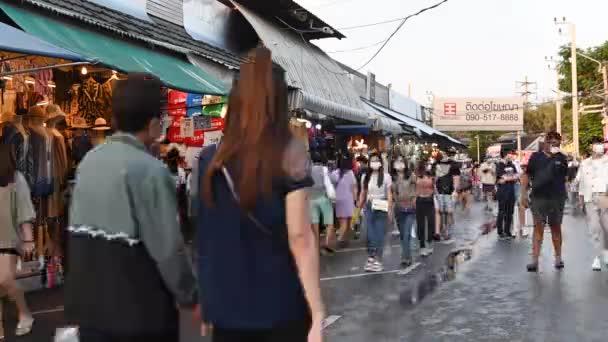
[575, 138]
[558, 106]
[605, 120]
[48, 67]
[478, 150]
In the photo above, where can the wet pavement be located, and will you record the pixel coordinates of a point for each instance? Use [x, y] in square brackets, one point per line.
[475, 289]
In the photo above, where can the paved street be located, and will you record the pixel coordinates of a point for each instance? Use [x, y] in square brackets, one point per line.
[465, 292]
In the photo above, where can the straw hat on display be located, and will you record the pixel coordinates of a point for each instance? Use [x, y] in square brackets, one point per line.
[36, 112]
[79, 123]
[54, 113]
[101, 125]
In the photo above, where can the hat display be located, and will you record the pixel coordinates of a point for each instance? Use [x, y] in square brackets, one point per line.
[36, 112]
[7, 116]
[53, 111]
[79, 123]
[101, 125]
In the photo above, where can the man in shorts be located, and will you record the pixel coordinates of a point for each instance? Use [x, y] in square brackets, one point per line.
[447, 173]
[546, 175]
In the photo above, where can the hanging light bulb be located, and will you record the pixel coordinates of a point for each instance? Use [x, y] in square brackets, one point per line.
[318, 127]
[84, 70]
[308, 124]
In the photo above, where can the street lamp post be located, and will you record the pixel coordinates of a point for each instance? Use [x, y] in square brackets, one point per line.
[558, 96]
[478, 149]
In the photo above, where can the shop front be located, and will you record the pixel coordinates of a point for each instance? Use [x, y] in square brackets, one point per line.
[56, 89]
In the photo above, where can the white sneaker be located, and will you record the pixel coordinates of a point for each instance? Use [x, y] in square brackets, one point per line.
[597, 265]
[377, 267]
[369, 266]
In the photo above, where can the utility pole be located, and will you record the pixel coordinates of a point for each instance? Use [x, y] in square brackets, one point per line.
[558, 94]
[526, 94]
[573, 53]
[478, 149]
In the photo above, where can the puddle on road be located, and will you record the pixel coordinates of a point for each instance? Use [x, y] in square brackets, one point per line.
[412, 296]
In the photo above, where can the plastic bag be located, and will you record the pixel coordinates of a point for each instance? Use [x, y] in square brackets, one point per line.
[67, 335]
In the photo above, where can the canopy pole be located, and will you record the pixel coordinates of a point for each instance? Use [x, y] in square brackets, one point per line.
[48, 67]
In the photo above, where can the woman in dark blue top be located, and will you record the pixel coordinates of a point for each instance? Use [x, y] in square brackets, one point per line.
[258, 258]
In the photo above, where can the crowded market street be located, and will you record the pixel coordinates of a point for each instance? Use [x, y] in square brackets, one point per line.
[476, 289]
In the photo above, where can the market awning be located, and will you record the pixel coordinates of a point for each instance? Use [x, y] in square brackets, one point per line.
[299, 99]
[388, 125]
[415, 124]
[320, 84]
[15, 40]
[115, 53]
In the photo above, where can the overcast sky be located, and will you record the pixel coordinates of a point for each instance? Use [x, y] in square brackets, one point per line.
[463, 48]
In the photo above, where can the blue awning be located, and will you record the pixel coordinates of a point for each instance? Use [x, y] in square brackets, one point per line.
[15, 40]
[421, 126]
[352, 129]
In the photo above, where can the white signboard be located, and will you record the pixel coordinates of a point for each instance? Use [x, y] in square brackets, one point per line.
[478, 114]
[187, 127]
[213, 138]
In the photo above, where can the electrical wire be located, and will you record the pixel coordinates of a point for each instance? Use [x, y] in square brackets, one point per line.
[370, 25]
[359, 48]
[398, 29]
[330, 3]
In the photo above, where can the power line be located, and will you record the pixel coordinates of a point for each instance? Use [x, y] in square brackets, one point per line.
[398, 29]
[359, 48]
[369, 25]
[328, 4]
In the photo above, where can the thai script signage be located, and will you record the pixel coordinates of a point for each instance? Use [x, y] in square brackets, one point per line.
[478, 114]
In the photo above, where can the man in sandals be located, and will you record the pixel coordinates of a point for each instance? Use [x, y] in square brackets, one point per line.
[546, 175]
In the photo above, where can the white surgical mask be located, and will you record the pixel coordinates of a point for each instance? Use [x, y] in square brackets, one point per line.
[375, 165]
[599, 149]
[555, 149]
[399, 166]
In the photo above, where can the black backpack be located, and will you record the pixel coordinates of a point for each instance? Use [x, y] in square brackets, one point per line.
[445, 185]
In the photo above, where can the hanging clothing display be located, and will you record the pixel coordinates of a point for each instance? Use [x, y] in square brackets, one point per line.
[88, 106]
[41, 149]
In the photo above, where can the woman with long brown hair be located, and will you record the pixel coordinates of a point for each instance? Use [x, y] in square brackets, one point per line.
[16, 236]
[258, 258]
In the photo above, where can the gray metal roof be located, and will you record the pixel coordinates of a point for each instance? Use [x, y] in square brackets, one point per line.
[309, 69]
[160, 33]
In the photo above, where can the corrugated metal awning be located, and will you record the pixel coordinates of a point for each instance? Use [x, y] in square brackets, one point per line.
[388, 125]
[324, 86]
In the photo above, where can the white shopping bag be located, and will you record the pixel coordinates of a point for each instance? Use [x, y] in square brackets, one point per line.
[67, 335]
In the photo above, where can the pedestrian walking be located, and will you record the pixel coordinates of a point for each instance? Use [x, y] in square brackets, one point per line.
[465, 191]
[592, 178]
[546, 175]
[346, 197]
[129, 272]
[321, 207]
[404, 194]
[425, 209]
[487, 176]
[258, 259]
[16, 236]
[447, 175]
[507, 177]
[377, 199]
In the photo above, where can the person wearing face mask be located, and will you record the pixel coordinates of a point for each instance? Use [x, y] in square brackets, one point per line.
[546, 175]
[376, 197]
[593, 185]
[404, 194]
[507, 176]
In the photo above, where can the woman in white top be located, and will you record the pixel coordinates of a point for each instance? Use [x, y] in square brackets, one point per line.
[377, 199]
[16, 236]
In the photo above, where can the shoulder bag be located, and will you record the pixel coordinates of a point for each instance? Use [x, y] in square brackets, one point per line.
[329, 186]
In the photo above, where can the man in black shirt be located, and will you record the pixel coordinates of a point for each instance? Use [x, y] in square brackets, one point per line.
[546, 175]
[506, 177]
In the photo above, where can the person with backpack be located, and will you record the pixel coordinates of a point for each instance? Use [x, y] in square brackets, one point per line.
[507, 176]
[546, 175]
[447, 174]
[404, 195]
[258, 259]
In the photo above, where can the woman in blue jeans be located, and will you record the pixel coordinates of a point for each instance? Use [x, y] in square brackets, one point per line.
[404, 195]
[377, 198]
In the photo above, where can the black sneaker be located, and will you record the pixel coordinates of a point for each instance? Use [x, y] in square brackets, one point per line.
[501, 236]
[560, 265]
[406, 262]
[510, 236]
[533, 267]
